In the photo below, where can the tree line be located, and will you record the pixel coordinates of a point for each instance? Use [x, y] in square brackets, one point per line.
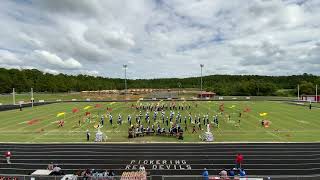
[241, 85]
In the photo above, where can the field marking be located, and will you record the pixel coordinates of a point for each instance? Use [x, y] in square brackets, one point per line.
[10, 122]
[295, 119]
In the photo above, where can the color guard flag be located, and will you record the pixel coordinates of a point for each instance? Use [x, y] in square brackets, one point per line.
[247, 110]
[87, 107]
[263, 114]
[74, 110]
[97, 105]
[61, 114]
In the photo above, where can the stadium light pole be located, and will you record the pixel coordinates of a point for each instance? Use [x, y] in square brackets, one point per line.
[32, 97]
[316, 92]
[179, 85]
[125, 66]
[298, 92]
[201, 66]
[13, 97]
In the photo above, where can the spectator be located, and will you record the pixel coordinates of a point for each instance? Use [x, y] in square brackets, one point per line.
[223, 174]
[85, 174]
[111, 173]
[78, 173]
[142, 168]
[56, 171]
[231, 173]
[8, 157]
[105, 173]
[205, 174]
[239, 160]
[242, 172]
[50, 166]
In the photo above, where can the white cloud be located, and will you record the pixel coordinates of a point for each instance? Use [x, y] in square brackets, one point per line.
[91, 73]
[110, 38]
[9, 58]
[55, 60]
[159, 38]
[51, 71]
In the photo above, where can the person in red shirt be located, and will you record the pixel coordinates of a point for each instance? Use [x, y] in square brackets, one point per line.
[8, 156]
[239, 160]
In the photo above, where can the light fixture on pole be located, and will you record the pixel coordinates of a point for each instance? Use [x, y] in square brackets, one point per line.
[125, 66]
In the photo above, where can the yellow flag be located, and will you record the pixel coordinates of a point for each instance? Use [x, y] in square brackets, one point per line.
[61, 114]
[87, 107]
[233, 106]
[263, 114]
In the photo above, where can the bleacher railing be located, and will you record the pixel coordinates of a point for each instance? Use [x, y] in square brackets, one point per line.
[31, 177]
[173, 177]
[178, 177]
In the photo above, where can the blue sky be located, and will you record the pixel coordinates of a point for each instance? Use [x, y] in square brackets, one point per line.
[161, 38]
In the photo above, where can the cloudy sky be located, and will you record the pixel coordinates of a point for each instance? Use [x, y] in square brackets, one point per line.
[161, 38]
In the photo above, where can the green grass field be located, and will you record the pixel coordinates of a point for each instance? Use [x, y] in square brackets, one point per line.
[289, 123]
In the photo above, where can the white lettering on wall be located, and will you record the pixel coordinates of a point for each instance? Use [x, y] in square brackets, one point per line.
[159, 164]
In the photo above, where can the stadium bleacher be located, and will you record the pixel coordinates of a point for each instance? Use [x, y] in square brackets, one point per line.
[166, 159]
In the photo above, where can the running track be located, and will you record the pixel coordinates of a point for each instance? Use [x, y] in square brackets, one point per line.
[260, 159]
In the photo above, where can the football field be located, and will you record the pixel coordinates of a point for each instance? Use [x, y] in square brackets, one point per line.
[287, 122]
